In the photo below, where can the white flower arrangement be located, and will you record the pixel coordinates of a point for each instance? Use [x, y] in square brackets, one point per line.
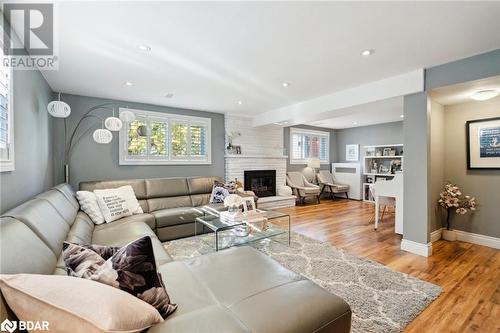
[233, 200]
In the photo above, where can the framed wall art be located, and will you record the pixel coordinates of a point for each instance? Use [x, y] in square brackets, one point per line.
[483, 143]
[352, 152]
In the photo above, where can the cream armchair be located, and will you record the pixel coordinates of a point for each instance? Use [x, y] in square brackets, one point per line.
[301, 187]
[328, 184]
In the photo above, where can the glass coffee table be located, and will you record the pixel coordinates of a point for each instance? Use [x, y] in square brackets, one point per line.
[229, 233]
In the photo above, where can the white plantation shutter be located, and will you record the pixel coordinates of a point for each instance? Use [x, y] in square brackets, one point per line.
[6, 118]
[307, 144]
[165, 139]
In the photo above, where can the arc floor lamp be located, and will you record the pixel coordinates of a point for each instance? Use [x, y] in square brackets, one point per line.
[101, 135]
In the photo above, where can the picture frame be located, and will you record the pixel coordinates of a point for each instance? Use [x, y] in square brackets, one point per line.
[352, 152]
[483, 143]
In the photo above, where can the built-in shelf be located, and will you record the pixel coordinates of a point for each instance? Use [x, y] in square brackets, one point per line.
[256, 156]
[372, 162]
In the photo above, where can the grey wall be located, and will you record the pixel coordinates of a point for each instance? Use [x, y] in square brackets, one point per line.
[469, 69]
[416, 213]
[436, 163]
[300, 167]
[389, 133]
[32, 141]
[482, 184]
[91, 161]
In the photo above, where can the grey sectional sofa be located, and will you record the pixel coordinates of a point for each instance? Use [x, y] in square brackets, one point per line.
[235, 290]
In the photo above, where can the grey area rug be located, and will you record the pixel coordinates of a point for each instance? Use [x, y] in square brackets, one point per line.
[381, 299]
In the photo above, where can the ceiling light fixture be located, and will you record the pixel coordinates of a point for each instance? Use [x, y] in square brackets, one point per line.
[144, 48]
[240, 102]
[128, 83]
[367, 52]
[484, 95]
[286, 84]
[355, 123]
[402, 116]
[169, 95]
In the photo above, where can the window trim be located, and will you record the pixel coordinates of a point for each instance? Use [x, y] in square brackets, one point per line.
[170, 117]
[10, 163]
[298, 130]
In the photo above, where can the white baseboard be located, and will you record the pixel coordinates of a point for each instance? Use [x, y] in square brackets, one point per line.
[478, 239]
[424, 250]
[436, 235]
[469, 237]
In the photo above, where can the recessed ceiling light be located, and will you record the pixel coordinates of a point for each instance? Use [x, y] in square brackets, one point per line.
[286, 84]
[240, 102]
[366, 53]
[484, 95]
[355, 123]
[145, 48]
[169, 95]
[402, 116]
[128, 83]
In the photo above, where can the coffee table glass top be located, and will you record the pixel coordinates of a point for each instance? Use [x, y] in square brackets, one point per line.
[226, 232]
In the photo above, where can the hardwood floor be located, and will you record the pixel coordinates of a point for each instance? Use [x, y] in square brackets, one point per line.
[469, 274]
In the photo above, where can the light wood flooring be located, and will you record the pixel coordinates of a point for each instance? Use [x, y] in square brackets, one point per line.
[469, 274]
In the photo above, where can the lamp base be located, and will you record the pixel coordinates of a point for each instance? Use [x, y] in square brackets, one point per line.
[66, 173]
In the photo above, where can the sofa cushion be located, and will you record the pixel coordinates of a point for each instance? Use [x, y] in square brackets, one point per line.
[21, 251]
[214, 318]
[131, 268]
[61, 204]
[198, 200]
[147, 218]
[252, 287]
[174, 216]
[45, 221]
[138, 185]
[68, 192]
[82, 229]
[166, 187]
[121, 234]
[201, 185]
[69, 304]
[168, 202]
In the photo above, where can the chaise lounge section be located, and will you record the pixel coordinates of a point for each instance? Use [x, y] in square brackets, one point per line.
[235, 290]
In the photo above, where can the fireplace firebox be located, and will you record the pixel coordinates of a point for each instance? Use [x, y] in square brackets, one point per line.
[262, 182]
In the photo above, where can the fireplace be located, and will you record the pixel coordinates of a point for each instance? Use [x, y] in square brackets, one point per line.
[262, 182]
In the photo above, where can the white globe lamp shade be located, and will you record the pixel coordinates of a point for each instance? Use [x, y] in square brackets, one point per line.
[127, 116]
[59, 109]
[113, 124]
[102, 136]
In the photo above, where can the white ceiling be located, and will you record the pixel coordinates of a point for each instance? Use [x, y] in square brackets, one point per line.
[212, 54]
[384, 111]
[461, 93]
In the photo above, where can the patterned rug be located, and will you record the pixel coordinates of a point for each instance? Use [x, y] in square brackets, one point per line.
[381, 299]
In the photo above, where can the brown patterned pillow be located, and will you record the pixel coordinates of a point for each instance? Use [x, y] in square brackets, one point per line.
[131, 268]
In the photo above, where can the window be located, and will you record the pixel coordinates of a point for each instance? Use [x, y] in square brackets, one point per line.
[161, 138]
[305, 144]
[6, 118]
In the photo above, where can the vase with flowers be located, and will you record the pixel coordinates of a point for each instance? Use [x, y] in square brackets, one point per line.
[453, 201]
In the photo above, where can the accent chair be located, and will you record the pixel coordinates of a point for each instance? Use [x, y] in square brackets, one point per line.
[328, 184]
[301, 187]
